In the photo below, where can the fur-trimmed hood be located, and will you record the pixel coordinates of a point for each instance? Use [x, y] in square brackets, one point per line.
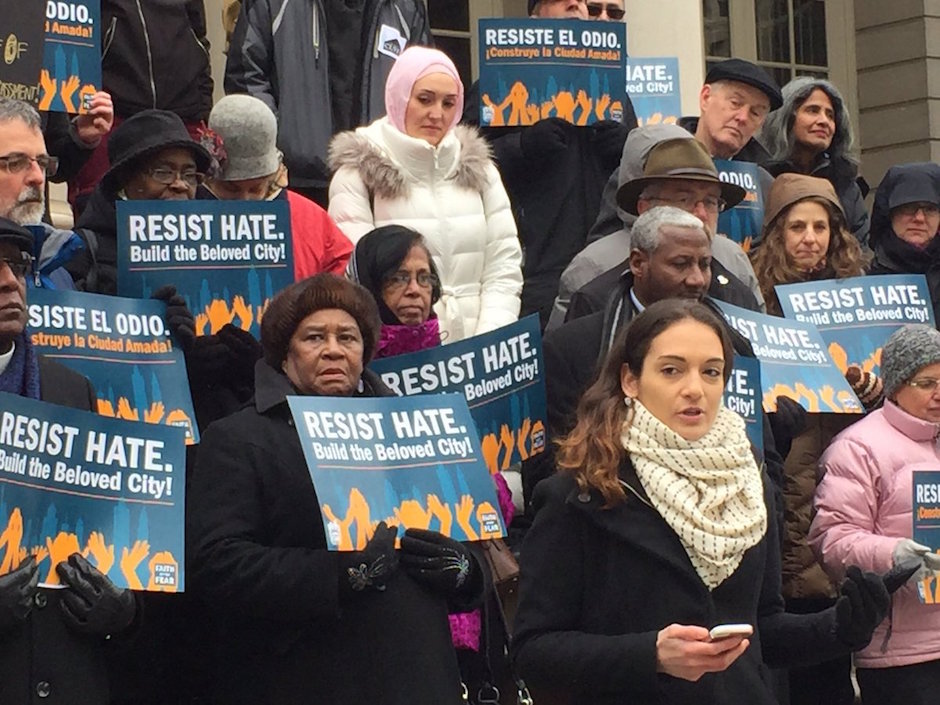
[387, 159]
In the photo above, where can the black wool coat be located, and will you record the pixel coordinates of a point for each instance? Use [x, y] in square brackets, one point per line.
[598, 585]
[258, 560]
[43, 660]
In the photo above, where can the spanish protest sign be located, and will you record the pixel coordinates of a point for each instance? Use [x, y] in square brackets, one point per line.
[532, 69]
[22, 35]
[794, 362]
[71, 67]
[113, 490]
[744, 222]
[653, 87]
[743, 395]
[412, 461]
[925, 489]
[500, 375]
[123, 346]
[227, 258]
[856, 316]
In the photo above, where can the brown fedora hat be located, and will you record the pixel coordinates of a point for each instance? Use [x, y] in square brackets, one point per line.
[680, 158]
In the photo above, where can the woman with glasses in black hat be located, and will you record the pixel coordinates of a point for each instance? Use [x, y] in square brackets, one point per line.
[904, 224]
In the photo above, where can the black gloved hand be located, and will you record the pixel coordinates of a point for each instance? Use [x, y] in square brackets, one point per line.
[609, 137]
[544, 138]
[438, 561]
[895, 578]
[373, 565]
[244, 350]
[179, 318]
[208, 359]
[786, 423]
[17, 589]
[862, 606]
[93, 604]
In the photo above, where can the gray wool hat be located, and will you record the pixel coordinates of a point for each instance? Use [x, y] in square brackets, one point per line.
[909, 348]
[248, 129]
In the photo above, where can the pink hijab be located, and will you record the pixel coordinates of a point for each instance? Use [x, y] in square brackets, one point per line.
[413, 64]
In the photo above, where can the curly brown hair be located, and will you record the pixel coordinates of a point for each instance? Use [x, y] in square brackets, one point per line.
[772, 265]
[593, 451]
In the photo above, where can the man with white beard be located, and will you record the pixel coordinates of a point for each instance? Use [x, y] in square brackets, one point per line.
[24, 166]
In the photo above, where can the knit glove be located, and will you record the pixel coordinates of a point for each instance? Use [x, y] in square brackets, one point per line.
[17, 589]
[609, 136]
[862, 606]
[443, 564]
[866, 385]
[244, 350]
[786, 423]
[544, 138]
[93, 604]
[179, 318]
[372, 566]
[908, 550]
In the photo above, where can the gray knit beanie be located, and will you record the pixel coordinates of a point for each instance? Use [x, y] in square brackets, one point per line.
[248, 129]
[909, 348]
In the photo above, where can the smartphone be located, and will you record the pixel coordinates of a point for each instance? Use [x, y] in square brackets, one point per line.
[723, 631]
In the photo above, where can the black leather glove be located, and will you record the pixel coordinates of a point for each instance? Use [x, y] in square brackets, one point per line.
[17, 589]
[372, 566]
[244, 350]
[179, 318]
[208, 359]
[609, 137]
[786, 423]
[93, 604]
[444, 565]
[544, 138]
[862, 606]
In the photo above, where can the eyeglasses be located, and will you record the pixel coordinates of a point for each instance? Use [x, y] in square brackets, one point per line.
[910, 210]
[15, 163]
[926, 384]
[614, 12]
[401, 280]
[19, 267]
[165, 176]
[712, 204]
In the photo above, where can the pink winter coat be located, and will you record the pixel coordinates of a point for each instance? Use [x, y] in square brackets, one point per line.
[863, 506]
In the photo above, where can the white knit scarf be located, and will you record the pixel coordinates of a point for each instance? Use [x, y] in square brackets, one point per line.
[709, 491]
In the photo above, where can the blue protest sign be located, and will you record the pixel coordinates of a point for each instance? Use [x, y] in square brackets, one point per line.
[744, 222]
[743, 396]
[794, 362]
[653, 87]
[71, 67]
[227, 258]
[531, 69]
[123, 346]
[856, 316]
[415, 461]
[73, 480]
[925, 491]
[500, 375]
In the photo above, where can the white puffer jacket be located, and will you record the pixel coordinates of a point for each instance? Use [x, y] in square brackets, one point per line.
[453, 195]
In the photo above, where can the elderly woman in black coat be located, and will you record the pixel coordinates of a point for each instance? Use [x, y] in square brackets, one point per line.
[657, 529]
[298, 623]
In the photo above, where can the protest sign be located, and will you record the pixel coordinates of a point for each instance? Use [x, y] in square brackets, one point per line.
[794, 362]
[501, 376]
[856, 316]
[743, 395]
[227, 258]
[22, 38]
[73, 480]
[123, 346]
[71, 67]
[925, 489]
[744, 222]
[653, 87]
[531, 69]
[415, 461]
